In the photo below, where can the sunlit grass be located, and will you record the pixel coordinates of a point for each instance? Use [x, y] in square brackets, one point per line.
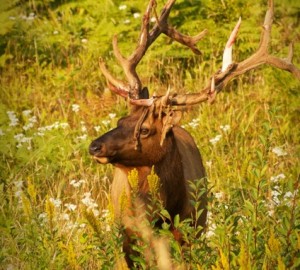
[55, 198]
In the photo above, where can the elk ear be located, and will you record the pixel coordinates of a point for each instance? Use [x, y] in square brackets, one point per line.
[171, 119]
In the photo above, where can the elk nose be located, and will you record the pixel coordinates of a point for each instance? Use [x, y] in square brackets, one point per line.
[95, 148]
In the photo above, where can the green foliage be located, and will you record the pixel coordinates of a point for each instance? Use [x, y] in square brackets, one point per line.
[54, 198]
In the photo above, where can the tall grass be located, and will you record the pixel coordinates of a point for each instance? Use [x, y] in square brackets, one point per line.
[55, 211]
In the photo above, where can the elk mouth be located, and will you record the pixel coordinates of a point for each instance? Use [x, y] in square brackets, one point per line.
[102, 160]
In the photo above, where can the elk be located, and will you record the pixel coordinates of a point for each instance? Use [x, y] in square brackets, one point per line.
[150, 135]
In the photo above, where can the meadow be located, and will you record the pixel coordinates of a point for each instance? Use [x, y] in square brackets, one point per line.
[54, 198]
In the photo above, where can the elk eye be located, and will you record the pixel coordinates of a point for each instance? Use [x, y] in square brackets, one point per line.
[144, 131]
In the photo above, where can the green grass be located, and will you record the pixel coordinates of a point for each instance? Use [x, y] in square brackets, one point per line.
[254, 199]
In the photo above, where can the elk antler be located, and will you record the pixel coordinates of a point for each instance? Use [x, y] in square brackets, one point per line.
[133, 89]
[228, 72]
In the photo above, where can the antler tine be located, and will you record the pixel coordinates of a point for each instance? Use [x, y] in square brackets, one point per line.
[163, 27]
[260, 57]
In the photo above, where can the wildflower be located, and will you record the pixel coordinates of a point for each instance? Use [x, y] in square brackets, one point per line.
[122, 7]
[70, 206]
[289, 196]
[225, 128]
[64, 125]
[136, 15]
[194, 123]
[274, 179]
[88, 201]
[95, 212]
[97, 128]
[20, 138]
[208, 163]
[279, 151]
[84, 40]
[127, 21]
[27, 113]
[82, 225]
[31, 17]
[1, 132]
[82, 138]
[153, 182]
[112, 115]
[14, 121]
[215, 139]
[77, 184]
[43, 217]
[153, 19]
[65, 216]
[211, 230]
[219, 195]
[55, 202]
[75, 108]
[106, 122]
[55, 32]
[275, 194]
[105, 213]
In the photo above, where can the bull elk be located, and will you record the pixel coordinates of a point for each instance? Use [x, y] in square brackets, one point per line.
[150, 135]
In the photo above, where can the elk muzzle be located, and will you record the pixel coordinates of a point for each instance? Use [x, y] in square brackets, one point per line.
[99, 152]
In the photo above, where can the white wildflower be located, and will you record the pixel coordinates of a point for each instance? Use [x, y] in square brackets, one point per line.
[97, 128]
[70, 206]
[112, 115]
[77, 184]
[289, 197]
[65, 216]
[82, 225]
[84, 40]
[275, 194]
[83, 137]
[279, 151]
[27, 113]
[225, 128]
[55, 32]
[215, 139]
[19, 137]
[90, 203]
[219, 195]
[274, 179]
[64, 125]
[127, 21]
[211, 230]
[55, 202]
[208, 163]
[194, 123]
[122, 7]
[75, 108]
[14, 121]
[136, 15]
[105, 213]
[106, 122]
[153, 19]
[95, 212]
[43, 217]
